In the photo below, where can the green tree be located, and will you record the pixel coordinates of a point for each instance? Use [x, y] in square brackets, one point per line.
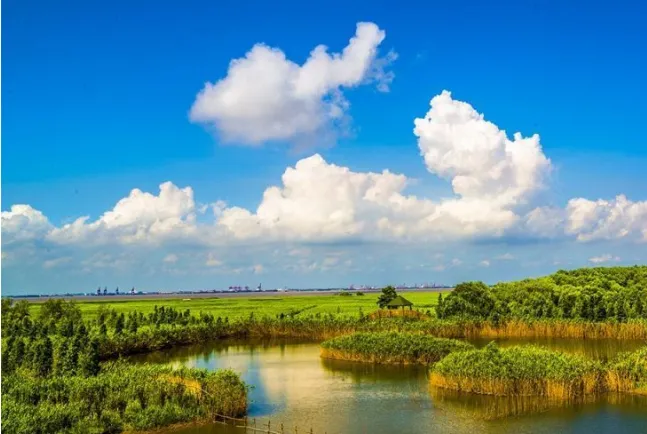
[469, 299]
[43, 357]
[71, 363]
[7, 354]
[119, 324]
[439, 308]
[60, 357]
[388, 294]
[89, 359]
[132, 323]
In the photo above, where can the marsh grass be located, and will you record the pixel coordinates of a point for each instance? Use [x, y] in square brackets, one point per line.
[519, 371]
[391, 347]
[121, 397]
[628, 372]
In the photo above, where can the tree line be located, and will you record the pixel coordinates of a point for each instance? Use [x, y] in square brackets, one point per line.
[616, 294]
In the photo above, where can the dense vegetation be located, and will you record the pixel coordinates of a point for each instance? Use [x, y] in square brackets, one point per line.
[121, 397]
[616, 294]
[53, 380]
[391, 347]
[523, 371]
[44, 342]
[628, 372]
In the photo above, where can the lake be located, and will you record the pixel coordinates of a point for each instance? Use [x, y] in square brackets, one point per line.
[294, 386]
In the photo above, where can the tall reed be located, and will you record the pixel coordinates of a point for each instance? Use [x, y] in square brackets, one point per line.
[628, 372]
[391, 347]
[519, 371]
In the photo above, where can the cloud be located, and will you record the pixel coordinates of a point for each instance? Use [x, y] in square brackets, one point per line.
[267, 97]
[605, 220]
[171, 258]
[212, 261]
[484, 263]
[23, 223]
[139, 217]
[604, 258]
[481, 162]
[494, 180]
[56, 262]
[505, 257]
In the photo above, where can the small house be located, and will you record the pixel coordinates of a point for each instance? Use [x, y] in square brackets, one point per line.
[399, 301]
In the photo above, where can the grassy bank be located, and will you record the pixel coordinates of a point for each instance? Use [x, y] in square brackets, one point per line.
[120, 398]
[519, 371]
[391, 347]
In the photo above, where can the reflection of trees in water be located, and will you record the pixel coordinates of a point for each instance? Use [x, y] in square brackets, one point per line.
[371, 372]
[407, 380]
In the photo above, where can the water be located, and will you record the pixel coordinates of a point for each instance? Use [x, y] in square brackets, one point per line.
[294, 386]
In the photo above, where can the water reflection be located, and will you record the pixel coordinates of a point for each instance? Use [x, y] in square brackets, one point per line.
[294, 386]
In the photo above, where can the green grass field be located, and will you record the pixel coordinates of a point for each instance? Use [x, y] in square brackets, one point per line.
[272, 305]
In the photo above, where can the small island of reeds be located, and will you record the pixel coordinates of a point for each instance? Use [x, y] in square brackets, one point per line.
[519, 371]
[391, 347]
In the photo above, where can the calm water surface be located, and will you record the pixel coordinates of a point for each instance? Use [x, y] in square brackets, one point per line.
[294, 386]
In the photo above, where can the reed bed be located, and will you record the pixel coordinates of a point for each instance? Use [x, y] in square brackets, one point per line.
[628, 372]
[391, 347]
[122, 397]
[633, 329]
[519, 371]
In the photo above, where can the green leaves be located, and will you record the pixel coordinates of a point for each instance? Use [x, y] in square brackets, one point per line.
[388, 294]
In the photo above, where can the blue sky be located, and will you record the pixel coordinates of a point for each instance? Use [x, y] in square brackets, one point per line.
[97, 100]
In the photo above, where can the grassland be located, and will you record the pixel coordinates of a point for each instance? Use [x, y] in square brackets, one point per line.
[241, 307]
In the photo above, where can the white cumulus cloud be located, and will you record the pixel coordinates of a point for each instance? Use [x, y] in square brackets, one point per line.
[481, 162]
[606, 219]
[23, 223]
[604, 258]
[267, 97]
[139, 217]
